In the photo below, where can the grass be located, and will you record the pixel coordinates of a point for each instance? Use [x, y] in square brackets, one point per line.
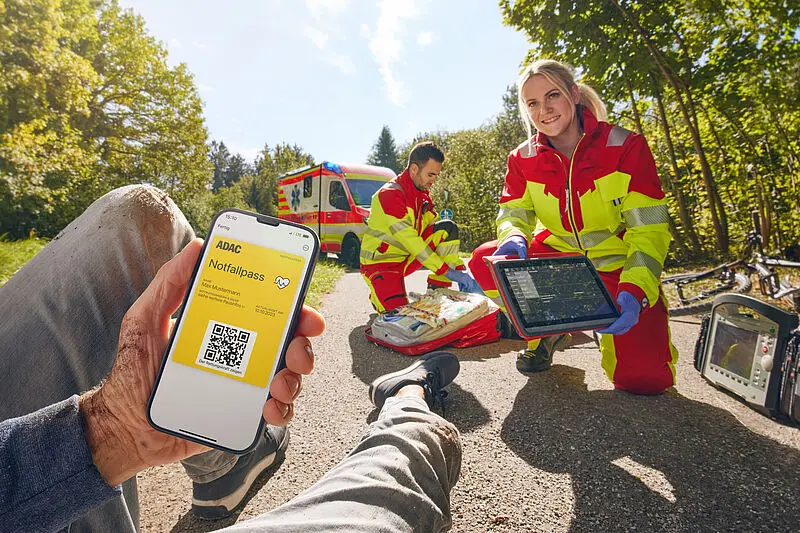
[326, 273]
[14, 254]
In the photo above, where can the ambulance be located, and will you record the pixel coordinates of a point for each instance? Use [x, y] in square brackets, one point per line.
[333, 200]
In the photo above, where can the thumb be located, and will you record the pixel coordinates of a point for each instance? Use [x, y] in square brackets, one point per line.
[165, 293]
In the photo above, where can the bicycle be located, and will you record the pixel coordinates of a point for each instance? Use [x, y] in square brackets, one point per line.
[696, 290]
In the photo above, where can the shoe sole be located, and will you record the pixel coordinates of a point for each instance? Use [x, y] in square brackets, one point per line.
[224, 507]
[386, 377]
[532, 370]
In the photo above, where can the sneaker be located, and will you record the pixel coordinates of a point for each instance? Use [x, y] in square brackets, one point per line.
[217, 499]
[540, 358]
[432, 371]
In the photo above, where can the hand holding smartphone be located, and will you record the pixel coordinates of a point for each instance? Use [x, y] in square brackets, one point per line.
[231, 336]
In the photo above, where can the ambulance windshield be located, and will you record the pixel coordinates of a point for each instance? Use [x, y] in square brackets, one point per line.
[363, 189]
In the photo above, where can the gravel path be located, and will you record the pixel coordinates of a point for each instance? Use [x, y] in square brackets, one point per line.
[560, 451]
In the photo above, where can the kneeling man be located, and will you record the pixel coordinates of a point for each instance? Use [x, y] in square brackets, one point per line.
[403, 235]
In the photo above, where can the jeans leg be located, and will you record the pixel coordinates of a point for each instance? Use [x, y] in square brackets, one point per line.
[397, 479]
[61, 312]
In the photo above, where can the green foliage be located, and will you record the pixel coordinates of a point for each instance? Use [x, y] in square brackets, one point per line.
[726, 74]
[474, 170]
[384, 152]
[254, 189]
[227, 168]
[88, 103]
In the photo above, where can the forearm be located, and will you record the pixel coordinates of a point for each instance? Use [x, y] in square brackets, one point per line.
[417, 247]
[48, 477]
[647, 239]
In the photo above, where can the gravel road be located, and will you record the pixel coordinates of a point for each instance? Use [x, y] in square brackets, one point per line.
[559, 451]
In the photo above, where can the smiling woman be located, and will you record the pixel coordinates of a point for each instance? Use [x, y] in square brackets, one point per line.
[582, 185]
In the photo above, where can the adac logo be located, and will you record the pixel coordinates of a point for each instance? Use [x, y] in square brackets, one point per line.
[229, 247]
[296, 198]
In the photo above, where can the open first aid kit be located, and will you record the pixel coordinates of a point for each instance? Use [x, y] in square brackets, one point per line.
[434, 319]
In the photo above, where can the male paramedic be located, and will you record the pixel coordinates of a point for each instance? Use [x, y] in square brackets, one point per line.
[403, 235]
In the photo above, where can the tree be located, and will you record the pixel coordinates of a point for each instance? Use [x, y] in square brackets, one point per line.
[710, 83]
[227, 168]
[89, 103]
[384, 152]
[219, 156]
[262, 192]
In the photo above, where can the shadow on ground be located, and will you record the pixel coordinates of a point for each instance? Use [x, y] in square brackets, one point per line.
[371, 361]
[189, 524]
[663, 463]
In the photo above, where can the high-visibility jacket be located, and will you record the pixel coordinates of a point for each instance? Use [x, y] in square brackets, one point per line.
[604, 201]
[400, 218]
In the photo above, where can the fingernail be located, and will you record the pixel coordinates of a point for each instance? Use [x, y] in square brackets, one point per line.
[284, 409]
[294, 384]
[309, 351]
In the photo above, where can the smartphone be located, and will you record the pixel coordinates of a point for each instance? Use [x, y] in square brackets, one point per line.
[232, 331]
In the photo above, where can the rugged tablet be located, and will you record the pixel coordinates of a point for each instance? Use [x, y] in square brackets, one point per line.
[548, 295]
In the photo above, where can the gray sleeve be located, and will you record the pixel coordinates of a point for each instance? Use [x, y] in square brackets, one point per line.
[47, 476]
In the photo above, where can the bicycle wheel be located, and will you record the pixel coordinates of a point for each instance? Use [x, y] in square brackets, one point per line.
[704, 298]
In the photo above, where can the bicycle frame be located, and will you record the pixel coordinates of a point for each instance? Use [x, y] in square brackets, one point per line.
[769, 284]
[724, 273]
[736, 276]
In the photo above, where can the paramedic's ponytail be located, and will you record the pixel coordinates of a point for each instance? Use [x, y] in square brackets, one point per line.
[590, 99]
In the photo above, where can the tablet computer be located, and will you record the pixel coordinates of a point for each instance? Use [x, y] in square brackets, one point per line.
[548, 295]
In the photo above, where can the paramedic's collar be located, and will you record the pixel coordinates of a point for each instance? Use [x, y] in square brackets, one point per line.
[404, 179]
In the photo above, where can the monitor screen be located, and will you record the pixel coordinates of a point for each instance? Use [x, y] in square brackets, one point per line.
[734, 348]
[557, 291]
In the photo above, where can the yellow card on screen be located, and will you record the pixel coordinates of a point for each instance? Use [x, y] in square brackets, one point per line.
[236, 318]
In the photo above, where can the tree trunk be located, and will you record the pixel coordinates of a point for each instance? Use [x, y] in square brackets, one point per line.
[678, 239]
[708, 179]
[723, 216]
[683, 213]
[633, 105]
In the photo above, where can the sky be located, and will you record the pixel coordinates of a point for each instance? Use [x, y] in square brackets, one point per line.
[327, 75]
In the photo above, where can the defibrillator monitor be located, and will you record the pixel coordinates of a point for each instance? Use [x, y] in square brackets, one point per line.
[552, 295]
[742, 348]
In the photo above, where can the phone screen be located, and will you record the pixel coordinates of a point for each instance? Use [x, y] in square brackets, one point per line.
[233, 330]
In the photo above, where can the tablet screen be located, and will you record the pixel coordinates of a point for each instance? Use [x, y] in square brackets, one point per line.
[557, 291]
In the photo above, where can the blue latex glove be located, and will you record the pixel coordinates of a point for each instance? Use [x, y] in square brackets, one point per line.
[466, 283]
[630, 308]
[514, 245]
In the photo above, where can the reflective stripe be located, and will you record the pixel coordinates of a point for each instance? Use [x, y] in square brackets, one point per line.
[516, 212]
[569, 239]
[341, 229]
[617, 136]
[424, 254]
[385, 238]
[392, 185]
[641, 259]
[448, 248]
[600, 262]
[376, 256]
[593, 238]
[397, 227]
[590, 239]
[644, 216]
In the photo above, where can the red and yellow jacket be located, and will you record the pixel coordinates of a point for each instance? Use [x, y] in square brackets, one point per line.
[605, 201]
[400, 217]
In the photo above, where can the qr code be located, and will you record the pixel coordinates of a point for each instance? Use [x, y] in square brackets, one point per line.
[226, 348]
